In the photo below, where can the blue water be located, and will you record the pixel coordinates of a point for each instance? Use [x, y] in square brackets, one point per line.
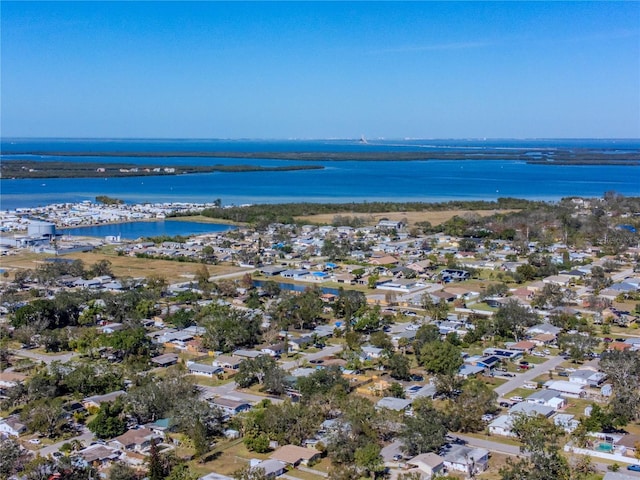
[346, 181]
[134, 230]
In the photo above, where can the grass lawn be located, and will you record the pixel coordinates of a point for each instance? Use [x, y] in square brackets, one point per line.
[230, 456]
[121, 266]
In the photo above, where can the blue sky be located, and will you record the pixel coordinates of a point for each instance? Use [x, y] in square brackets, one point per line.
[321, 70]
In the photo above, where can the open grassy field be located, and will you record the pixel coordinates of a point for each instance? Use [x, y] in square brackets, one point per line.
[121, 266]
[435, 218]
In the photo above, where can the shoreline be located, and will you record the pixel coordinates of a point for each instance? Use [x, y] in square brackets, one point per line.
[535, 156]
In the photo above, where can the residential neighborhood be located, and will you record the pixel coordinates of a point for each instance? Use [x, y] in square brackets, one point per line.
[385, 350]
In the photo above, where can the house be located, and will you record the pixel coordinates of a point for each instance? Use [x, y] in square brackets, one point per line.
[99, 455]
[271, 468]
[502, 353]
[543, 339]
[392, 403]
[548, 398]
[163, 425]
[386, 260]
[11, 379]
[587, 377]
[247, 353]
[523, 346]
[165, 360]
[295, 274]
[96, 400]
[294, 455]
[273, 350]
[137, 440]
[451, 275]
[215, 476]
[203, 370]
[369, 352]
[566, 421]
[112, 327]
[544, 328]
[231, 406]
[428, 464]
[467, 371]
[12, 426]
[531, 409]
[469, 460]
[419, 391]
[568, 389]
[227, 362]
[502, 425]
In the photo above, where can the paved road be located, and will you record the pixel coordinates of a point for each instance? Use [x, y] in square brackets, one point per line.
[490, 445]
[62, 358]
[85, 438]
[325, 352]
[519, 380]
[229, 390]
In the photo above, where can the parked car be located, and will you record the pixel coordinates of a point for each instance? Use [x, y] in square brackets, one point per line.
[397, 457]
[633, 468]
[517, 398]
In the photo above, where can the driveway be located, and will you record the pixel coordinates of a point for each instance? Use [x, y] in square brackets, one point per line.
[519, 380]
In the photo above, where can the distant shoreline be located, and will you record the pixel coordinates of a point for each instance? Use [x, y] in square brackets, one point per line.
[544, 156]
[21, 169]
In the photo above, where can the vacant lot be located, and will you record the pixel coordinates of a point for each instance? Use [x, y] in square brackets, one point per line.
[435, 218]
[134, 267]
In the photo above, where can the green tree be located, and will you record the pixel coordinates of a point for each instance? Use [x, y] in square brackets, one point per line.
[108, 423]
[122, 471]
[466, 410]
[398, 365]
[512, 320]
[436, 310]
[540, 441]
[227, 328]
[425, 431]
[13, 456]
[369, 459]
[441, 358]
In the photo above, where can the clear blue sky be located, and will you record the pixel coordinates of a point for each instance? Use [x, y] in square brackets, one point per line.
[321, 70]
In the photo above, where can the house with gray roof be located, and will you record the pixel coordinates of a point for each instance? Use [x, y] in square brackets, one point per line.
[204, 370]
[531, 409]
[392, 403]
[469, 460]
[587, 377]
[547, 398]
[502, 425]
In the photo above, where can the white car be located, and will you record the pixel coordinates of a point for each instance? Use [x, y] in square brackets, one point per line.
[34, 441]
[517, 399]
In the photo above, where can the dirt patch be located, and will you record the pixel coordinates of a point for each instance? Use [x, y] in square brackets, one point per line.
[435, 218]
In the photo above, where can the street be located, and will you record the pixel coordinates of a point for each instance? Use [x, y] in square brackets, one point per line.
[520, 379]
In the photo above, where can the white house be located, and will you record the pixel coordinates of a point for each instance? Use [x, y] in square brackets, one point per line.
[466, 459]
[502, 426]
[12, 426]
[429, 464]
[548, 398]
[568, 389]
